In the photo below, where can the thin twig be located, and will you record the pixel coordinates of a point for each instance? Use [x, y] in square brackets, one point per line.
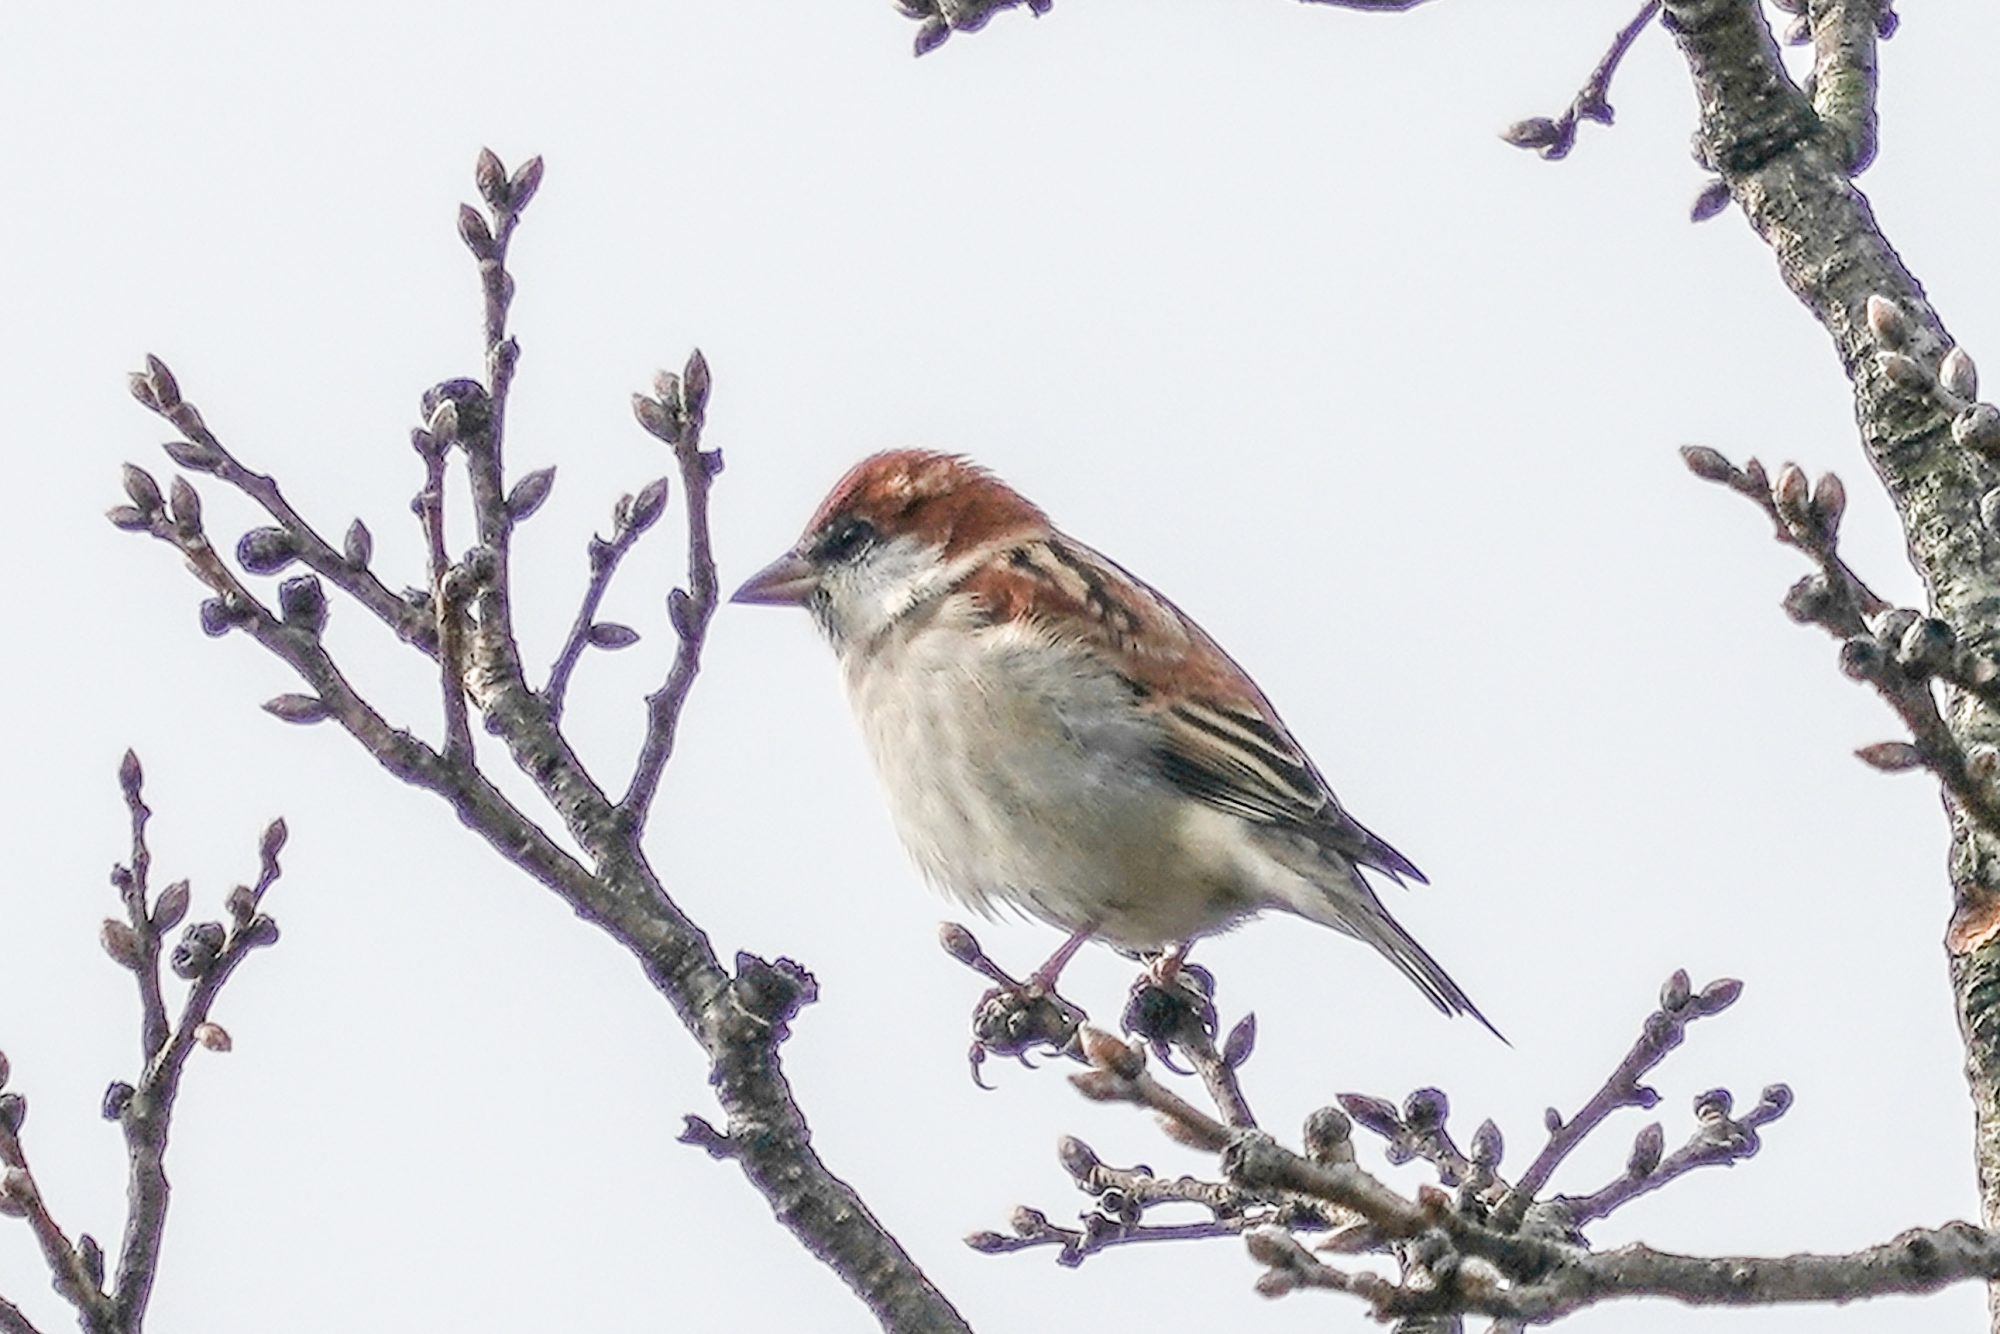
[1720, 1141]
[677, 417]
[200, 451]
[1099, 1232]
[1553, 139]
[1878, 646]
[1663, 1031]
[1217, 1073]
[147, 1114]
[631, 519]
[132, 890]
[447, 607]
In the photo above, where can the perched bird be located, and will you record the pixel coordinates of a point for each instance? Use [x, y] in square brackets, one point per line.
[1057, 737]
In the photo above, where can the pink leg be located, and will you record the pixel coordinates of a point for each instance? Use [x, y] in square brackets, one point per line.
[1165, 971]
[1044, 978]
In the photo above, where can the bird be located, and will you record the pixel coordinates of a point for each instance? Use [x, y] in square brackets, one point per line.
[1055, 736]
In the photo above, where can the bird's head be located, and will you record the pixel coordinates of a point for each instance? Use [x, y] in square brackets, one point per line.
[900, 529]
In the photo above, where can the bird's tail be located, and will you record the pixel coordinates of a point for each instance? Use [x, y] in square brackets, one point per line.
[1349, 906]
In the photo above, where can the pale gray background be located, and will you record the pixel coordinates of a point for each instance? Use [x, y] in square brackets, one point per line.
[1247, 294]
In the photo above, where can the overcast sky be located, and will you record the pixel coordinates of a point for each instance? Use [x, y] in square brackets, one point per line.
[1249, 296]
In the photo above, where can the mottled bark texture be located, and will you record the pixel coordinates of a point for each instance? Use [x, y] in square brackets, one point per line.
[1789, 169]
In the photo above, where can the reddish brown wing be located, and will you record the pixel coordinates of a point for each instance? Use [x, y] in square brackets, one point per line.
[1222, 741]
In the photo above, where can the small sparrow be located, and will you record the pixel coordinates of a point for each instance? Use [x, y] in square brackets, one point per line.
[1057, 737]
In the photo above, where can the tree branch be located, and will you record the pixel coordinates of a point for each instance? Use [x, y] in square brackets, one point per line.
[1791, 177]
[677, 417]
[14, 1321]
[206, 956]
[740, 1014]
[630, 519]
[939, 19]
[1553, 139]
[1844, 74]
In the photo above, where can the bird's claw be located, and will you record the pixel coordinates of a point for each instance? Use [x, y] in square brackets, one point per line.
[1019, 1019]
[1158, 1011]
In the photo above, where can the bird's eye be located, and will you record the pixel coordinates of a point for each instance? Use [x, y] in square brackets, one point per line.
[845, 540]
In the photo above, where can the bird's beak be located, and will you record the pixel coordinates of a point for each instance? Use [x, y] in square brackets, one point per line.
[786, 582]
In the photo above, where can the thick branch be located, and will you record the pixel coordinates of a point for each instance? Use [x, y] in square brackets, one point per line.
[1791, 178]
[1844, 75]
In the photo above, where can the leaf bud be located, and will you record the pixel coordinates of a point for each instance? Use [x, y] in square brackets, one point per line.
[1707, 464]
[171, 906]
[1534, 132]
[521, 187]
[491, 177]
[196, 953]
[1904, 372]
[1891, 756]
[1077, 1158]
[266, 550]
[140, 486]
[1709, 201]
[121, 942]
[1887, 322]
[529, 493]
[303, 603]
[1958, 375]
[1647, 1147]
[612, 635]
[1977, 428]
[358, 548]
[1829, 503]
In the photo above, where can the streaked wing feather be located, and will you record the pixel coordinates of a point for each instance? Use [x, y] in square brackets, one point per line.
[1223, 742]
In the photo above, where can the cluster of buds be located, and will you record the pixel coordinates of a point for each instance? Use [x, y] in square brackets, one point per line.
[938, 19]
[678, 406]
[1808, 514]
[1953, 382]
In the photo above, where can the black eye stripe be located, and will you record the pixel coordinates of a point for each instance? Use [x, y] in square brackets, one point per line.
[844, 540]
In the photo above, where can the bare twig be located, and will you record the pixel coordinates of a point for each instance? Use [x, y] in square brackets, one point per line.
[447, 598]
[629, 522]
[1664, 1030]
[207, 955]
[1118, 1074]
[1553, 139]
[677, 417]
[131, 883]
[939, 19]
[1897, 651]
[1098, 1232]
[1416, 1132]
[1719, 1140]
[269, 550]
[1182, 1015]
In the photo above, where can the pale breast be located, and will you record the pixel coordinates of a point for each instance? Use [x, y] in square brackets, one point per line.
[1018, 773]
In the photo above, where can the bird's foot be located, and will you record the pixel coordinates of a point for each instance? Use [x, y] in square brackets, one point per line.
[1169, 1000]
[1015, 1018]
[1019, 1019]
